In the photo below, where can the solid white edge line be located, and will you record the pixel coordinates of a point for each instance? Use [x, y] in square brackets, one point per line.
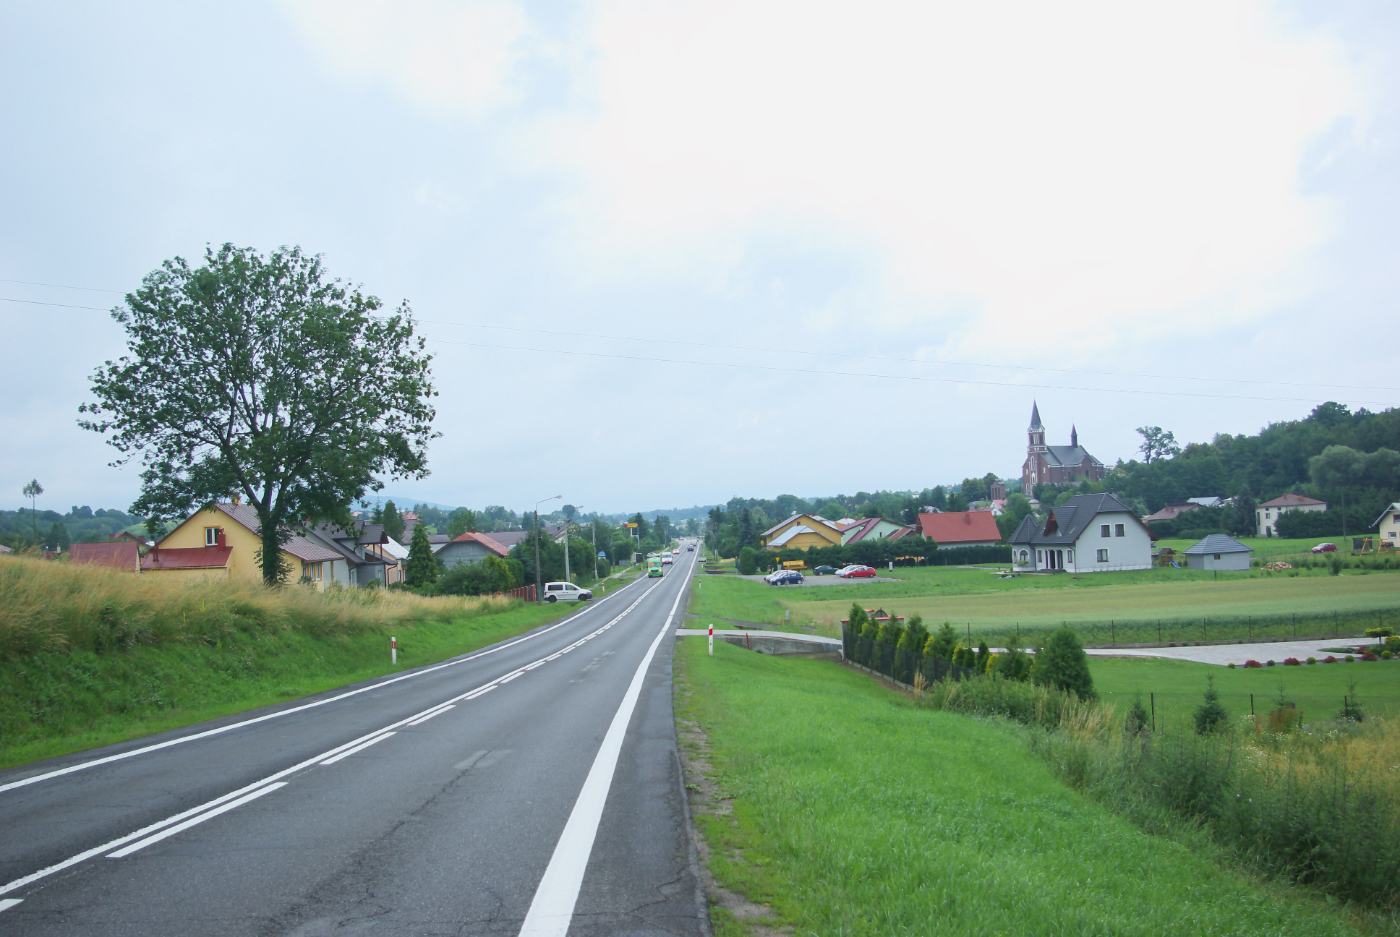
[97, 850]
[195, 821]
[59, 772]
[552, 909]
[359, 748]
[6, 903]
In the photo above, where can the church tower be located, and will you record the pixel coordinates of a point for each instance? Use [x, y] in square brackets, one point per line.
[1074, 436]
[1036, 431]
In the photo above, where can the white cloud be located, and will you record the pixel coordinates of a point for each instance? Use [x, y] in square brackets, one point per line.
[438, 54]
[1096, 164]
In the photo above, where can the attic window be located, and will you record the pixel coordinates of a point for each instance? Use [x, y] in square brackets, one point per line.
[1103, 530]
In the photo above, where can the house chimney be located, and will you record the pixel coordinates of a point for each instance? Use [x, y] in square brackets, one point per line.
[219, 538]
[967, 517]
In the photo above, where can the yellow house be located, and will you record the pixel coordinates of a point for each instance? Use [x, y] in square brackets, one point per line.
[801, 532]
[220, 541]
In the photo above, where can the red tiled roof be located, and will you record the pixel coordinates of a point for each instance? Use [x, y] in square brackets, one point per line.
[960, 527]
[118, 554]
[186, 558]
[485, 541]
[1291, 500]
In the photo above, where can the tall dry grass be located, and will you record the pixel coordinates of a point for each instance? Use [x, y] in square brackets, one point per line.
[56, 607]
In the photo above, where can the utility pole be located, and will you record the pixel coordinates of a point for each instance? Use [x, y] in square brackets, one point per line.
[539, 596]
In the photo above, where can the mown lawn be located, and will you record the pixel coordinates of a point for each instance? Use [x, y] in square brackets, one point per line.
[856, 813]
[1177, 687]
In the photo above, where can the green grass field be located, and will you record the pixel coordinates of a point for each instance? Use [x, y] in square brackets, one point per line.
[997, 606]
[855, 812]
[1316, 690]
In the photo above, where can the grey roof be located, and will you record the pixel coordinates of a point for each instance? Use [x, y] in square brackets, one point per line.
[1067, 522]
[340, 540]
[1067, 455]
[1218, 543]
[1035, 416]
[508, 538]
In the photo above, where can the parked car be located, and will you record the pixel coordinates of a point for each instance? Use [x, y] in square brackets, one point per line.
[784, 577]
[565, 592]
[856, 572]
[1325, 548]
[823, 570]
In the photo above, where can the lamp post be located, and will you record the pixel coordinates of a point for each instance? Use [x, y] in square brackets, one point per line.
[539, 597]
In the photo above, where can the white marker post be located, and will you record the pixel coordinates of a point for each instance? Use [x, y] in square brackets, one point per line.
[712, 639]
[393, 650]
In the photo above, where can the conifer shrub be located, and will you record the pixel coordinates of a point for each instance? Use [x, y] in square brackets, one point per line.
[1063, 664]
[1137, 720]
[1210, 716]
[942, 644]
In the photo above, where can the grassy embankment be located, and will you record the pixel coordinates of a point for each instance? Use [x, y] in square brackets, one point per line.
[1237, 605]
[839, 807]
[92, 656]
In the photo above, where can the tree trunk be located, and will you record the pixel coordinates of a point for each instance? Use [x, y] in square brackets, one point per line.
[274, 572]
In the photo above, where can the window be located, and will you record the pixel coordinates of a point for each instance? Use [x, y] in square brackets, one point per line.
[314, 571]
[211, 536]
[1103, 530]
[1216, 556]
[1103, 556]
[1040, 556]
[1119, 531]
[1070, 555]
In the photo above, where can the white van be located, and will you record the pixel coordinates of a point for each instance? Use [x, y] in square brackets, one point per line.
[565, 592]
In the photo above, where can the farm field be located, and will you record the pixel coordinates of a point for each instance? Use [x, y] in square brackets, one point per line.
[996, 606]
[1265, 547]
[1316, 690]
[838, 807]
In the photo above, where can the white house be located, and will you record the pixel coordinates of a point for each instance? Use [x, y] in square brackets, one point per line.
[1266, 518]
[1088, 534]
[1388, 524]
[1218, 551]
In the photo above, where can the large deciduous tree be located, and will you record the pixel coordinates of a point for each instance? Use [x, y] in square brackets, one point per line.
[261, 376]
[1157, 443]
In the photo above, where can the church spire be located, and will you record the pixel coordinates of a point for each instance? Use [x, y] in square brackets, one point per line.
[1035, 416]
[1073, 435]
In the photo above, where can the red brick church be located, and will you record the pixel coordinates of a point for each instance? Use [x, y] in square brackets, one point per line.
[1055, 465]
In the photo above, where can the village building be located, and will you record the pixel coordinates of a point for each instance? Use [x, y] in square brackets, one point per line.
[1266, 517]
[960, 529]
[124, 555]
[1055, 465]
[470, 547]
[1088, 534]
[1218, 551]
[801, 532]
[1388, 524]
[868, 528]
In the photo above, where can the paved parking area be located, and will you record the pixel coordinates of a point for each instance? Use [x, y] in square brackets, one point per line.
[810, 580]
[1237, 654]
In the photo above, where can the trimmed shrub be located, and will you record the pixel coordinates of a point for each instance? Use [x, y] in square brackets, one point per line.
[1252, 663]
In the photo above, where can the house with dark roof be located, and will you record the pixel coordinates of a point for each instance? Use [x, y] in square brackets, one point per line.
[508, 538]
[1088, 534]
[1218, 551]
[1056, 465]
[470, 548]
[359, 548]
[1268, 513]
[960, 529]
[1170, 511]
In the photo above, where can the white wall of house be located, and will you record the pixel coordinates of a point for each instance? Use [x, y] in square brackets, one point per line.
[1266, 519]
[1127, 546]
[1389, 528]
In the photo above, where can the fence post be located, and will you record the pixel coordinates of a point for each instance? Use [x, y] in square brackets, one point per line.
[1251, 704]
[1112, 632]
[1159, 631]
[1153, 698]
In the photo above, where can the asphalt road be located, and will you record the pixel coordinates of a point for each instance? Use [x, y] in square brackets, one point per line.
[528, 788]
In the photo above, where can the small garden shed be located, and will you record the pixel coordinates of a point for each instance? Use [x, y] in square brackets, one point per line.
[1218, 551]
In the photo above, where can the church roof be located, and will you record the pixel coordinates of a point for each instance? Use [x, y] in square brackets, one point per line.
[1035, 416]
[1067, 455]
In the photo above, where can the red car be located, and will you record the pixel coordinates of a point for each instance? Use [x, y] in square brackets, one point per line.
[856, 572]
[1325, 548]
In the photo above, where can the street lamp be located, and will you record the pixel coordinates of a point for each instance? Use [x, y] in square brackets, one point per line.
[539, 597]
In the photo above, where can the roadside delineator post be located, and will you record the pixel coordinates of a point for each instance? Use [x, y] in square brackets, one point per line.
[712, 639]
[393, 650]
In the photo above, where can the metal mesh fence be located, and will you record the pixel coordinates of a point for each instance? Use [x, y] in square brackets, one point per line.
[1176, 710]
[1213, 629]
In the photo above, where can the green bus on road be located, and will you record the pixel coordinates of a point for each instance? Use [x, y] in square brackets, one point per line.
[653, 567]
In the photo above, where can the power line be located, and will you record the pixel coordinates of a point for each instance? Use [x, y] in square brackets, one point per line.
[35, 302]
[60, 286]
[891, 377]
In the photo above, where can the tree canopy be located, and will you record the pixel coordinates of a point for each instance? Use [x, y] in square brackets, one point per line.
[261, 376]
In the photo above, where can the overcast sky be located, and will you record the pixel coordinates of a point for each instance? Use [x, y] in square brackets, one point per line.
[666, 253]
